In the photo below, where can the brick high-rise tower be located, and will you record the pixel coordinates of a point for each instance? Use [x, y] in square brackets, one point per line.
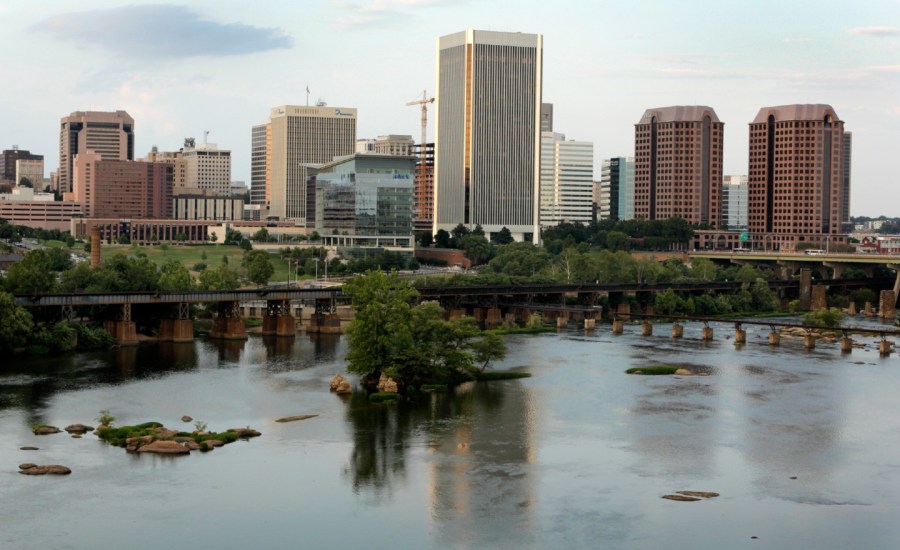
[678, 165]
[796, 171]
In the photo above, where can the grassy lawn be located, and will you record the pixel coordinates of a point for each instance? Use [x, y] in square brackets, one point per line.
[190, 255]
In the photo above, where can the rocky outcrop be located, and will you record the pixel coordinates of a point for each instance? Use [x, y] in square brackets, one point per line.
[683, 372]
[386, 384]
[29, 448]
[340, 385]
[45, 430]
[52, 469]
[680, 498]
[79, 429]
[690, 496]
[162, 446]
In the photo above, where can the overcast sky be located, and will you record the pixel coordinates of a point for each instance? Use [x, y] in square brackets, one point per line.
[183, 68]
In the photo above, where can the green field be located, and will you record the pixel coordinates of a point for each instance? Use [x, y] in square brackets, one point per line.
[190, 255]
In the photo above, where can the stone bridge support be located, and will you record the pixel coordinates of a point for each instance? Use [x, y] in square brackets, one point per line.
[178, 326]
[228, 324]
[325, 319]
[887, 306]
[123, 329]
[818, 302]
[278, 320]
[740, 335]
[805, 289]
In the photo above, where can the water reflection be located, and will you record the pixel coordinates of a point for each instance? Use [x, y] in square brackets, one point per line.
[478, 471]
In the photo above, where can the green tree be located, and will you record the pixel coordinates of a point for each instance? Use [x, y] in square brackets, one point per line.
[60, 259]
[520, 259]
[617, 240]
[25, 182]
[258, 266]
[380, 336]
[314, 236]
[33, 274]
[488, 349]
[220, 278]
[476, 247]
[15, 323]
[173, 275]
[828, 318]
[504, 236]
[261, 236]
[704, 269]
[442, 238]
[425, 238]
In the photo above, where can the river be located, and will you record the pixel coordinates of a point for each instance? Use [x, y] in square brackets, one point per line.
[803, 447]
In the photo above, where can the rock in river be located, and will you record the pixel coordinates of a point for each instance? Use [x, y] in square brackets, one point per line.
[35, 470]
[294, 418]
[164, 447]
[79, 429]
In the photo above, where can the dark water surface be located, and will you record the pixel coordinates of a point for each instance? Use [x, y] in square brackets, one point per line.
[578, 456]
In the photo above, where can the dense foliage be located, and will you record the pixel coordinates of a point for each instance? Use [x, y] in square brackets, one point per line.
[413, 344]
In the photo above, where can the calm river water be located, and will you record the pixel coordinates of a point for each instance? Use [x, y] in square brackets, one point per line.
[804, 448]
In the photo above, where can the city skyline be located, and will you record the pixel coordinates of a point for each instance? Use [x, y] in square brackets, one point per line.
[604, 65]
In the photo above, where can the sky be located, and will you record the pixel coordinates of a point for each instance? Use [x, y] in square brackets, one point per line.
[183, 68]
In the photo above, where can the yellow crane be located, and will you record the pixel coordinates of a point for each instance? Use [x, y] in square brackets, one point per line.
[424, 103]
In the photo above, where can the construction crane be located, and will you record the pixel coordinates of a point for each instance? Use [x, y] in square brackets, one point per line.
[424, 103]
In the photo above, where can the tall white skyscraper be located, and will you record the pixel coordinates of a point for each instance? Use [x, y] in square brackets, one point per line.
[487, 165]
[567, 180]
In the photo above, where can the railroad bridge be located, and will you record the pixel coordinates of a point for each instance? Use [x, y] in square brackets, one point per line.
[490, 305]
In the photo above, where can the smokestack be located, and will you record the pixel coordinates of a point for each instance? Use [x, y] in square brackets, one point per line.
[95, 247]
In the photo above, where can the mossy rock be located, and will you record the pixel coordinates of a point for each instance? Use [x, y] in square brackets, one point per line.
[42, 429]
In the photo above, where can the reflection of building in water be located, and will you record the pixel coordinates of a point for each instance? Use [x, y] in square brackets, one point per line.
[480, 468]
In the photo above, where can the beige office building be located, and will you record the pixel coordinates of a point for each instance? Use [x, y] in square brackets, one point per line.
[678, 164]
[796, 180]
[33, 171]
[109, 134]
[488, 128]
[179, 167]
[302, 136]
[208, 169]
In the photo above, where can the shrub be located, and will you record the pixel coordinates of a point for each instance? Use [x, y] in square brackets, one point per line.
[105, 419]
[828, 318]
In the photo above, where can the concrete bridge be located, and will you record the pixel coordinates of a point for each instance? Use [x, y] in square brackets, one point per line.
[490, 305]
[827, 265]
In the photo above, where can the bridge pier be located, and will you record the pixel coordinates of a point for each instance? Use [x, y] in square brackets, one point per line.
[867, 310]
[818, 301]
[846, 344]
[707, 334]
[805, 289]
[228, 324]
[809, 341]
[179, 327]
[562, 319]
[851, 308]
[677, 330]
[618, 326]
[884, 347]
[589, 323]
[774, 338]
[278, 320]
[887, 307]
[325, 320]
[624, 310]
[740, 335]
[646, 328]
[493, 317]
[123, 329]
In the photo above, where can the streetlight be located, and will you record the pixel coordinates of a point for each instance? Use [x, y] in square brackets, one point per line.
[316, 260]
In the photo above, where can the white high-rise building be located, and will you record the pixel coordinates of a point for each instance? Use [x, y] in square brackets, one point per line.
[617, 186]
[735, 194]
[208, 169]
[487, 165]
[302, 136]
[567, 180]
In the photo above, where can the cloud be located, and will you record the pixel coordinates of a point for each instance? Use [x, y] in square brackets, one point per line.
[375, 13]
[796, 40]
[875, 31]
[162, 31]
